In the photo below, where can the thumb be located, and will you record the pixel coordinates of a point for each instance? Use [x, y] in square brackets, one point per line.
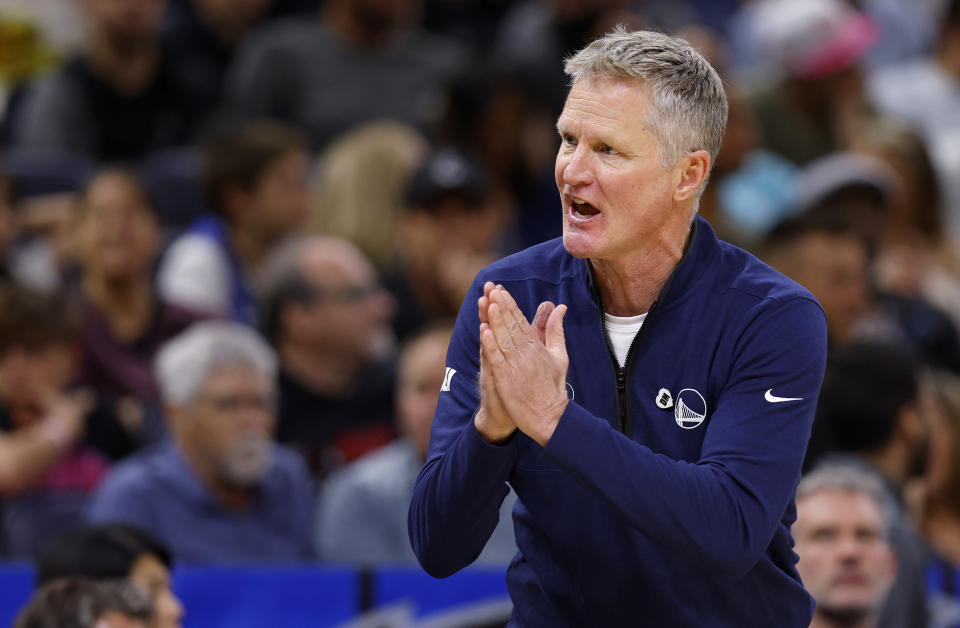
[555, 340]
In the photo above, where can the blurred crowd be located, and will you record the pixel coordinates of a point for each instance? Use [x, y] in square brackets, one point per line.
[234, 233]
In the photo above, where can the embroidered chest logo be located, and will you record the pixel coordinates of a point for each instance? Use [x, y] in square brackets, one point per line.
[691, 409]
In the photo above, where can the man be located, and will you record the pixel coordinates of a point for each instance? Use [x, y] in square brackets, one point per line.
[870, 415]
[360, 60]
[254, 178]
[80, 603]
[115, 552]
[121, 97]
[654, 467]
[363, 507]
[221, 491]
[445, 234]
[329, 321]
[846, 561]
[61, 439]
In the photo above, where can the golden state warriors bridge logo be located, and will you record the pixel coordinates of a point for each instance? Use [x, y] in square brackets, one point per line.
[690, 409]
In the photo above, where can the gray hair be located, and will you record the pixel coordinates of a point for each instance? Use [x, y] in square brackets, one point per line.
[849, 478]
[688, 103]
[185, 362]
[80, 603]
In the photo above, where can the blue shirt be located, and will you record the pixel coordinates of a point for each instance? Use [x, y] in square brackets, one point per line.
[666, 493]
[156, 490]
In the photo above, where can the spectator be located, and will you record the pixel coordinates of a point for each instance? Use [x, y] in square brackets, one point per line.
[121, 97]
[827, 249]
[869, 415]
[814, 105]
[925, 93]
[39, 346]
[80, 603]
[221, 491]
[329, 320]
[115, 552]
[445, 234]
[362, 60]
[206, 34]
[255, 179]
[124, 321]
[830, 260]
[846, 561]
[917, 256]
[937, 498]
[363, 507]
[385, 152]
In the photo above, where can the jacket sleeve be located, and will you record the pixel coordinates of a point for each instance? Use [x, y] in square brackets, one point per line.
[455, 502]
[724, 509]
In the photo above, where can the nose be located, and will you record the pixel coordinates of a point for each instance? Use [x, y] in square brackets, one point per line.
[574, 167]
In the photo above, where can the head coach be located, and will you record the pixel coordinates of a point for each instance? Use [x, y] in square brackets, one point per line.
[653, 422]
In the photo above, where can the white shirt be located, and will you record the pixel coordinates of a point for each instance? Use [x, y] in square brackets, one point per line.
[622, 330]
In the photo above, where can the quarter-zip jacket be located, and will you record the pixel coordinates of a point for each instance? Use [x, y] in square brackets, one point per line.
[636, 514]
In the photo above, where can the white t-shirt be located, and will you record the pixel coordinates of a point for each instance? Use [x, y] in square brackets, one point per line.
[195, 273]
[622, 330]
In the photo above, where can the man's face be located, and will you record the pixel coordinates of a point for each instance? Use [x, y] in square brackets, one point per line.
[28, 376]
[127, 20]
[609, 161]
[230, 424]
[118, 234]
[845, 561]
[422, 368]
[153, 577]
[351, 313]
[278, 199]
[834, 268]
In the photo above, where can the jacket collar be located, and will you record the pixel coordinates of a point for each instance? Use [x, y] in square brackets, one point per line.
[702, 245]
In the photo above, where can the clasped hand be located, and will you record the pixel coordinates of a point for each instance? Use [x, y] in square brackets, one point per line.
[523, 368]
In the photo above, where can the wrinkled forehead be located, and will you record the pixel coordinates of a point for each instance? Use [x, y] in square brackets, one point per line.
[837, 508]
[235, 375]
[607, 101]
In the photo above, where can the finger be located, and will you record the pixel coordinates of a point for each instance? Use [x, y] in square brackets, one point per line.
[483, 304]
[490, 351]
[540, 320]
[555, 340]
[511, 310]
[500, 327]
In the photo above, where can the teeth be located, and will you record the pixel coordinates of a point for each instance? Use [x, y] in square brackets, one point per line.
[577, 201]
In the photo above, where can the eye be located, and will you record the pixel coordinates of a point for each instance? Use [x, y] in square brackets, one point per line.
[608, 150]
[568, 139]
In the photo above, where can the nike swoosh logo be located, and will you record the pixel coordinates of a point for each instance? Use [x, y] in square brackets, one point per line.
[769, 396]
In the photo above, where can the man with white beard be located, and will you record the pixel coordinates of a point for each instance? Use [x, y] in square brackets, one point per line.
[220, 490]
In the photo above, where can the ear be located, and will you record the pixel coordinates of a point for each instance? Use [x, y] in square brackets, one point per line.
[691, 173]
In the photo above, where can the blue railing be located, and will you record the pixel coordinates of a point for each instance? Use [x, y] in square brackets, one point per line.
[294, 597]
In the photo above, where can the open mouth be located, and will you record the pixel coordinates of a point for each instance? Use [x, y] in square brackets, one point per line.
[583, 210]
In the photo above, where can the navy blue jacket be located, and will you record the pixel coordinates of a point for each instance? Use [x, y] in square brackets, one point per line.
[665, 495]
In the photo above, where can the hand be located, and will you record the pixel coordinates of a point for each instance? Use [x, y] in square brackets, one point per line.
[64, 420]
[527, 363]
[491, 421]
